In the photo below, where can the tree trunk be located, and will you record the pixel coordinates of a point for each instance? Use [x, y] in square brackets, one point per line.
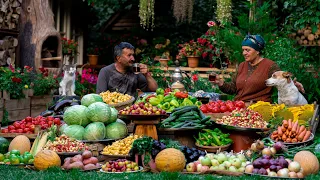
[36, 26]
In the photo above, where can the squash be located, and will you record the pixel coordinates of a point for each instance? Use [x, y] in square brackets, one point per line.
[308, 161]
[21, 143]
[170, 160]
[45, 159]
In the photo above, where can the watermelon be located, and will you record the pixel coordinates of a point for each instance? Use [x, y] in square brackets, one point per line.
[4, 145]
[90, 98]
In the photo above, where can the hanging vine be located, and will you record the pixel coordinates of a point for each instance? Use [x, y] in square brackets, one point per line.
[224, 8]
[183, 9]
[146, 14]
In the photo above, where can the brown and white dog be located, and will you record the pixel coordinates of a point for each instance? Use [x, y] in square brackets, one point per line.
[288, 93]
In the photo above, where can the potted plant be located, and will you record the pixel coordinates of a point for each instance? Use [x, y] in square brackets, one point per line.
[69, 47]
[192, 51]
[93, 55]
[164, 59]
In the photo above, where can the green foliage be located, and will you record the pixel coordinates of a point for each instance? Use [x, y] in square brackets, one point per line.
[291, 59]
[301, 13]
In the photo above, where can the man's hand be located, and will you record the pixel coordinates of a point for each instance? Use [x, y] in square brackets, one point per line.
[143, 68]
[298, 85]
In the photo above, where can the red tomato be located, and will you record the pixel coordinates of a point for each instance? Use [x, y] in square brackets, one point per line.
[230, 107]
[11, 127]
[16, 125]
[35, 122]
[5, 130]
[50, 123]
[23, 121]
[57, 121]
[19, 130]
[204, 109]
[240, 104]
[32, 127]
[28, 119]
[44, 126]
[215, 110]
[50, 118]
[26, 129]
[12, 131]
[22, 126]
[223, 109]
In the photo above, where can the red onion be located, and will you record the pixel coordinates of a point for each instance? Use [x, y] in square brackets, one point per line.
[279, 146]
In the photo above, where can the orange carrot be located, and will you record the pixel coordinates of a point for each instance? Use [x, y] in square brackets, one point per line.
[287, 132]
[301, 135]
[302, 128]
[294, 140]
[277, 139]
[290, 124]
[306, 137]
[274, 137]
[285, 123]
[294, 127]
[293, 135]
[284, 137]
[279, 131]
[275, 133]
[283, 129]
[288, 140]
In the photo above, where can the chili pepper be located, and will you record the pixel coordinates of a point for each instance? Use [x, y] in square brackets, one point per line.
[181, 95]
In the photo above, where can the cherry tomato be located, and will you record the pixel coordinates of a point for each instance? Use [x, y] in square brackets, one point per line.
[26, 129]
[223, 109]
[4, 130]
[215, 110]
[57, 121]
[50, 118]
[19, 130]
[11, 127]
[22, 126]
[204, 109]
[28, 119]
[16, 125]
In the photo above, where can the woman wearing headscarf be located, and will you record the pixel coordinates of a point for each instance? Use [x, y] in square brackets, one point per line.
[248, 83]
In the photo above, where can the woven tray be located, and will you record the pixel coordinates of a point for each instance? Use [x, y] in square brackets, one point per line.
[213, 149]
[123, 105]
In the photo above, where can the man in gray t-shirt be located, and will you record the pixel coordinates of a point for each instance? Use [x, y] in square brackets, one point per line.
[120, 77]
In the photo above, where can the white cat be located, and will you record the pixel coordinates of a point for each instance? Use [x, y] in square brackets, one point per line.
[67, 84]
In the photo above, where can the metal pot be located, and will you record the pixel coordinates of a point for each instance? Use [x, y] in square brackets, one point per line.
[177, 75]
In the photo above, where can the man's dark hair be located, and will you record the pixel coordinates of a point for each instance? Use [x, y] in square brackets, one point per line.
[118, 48]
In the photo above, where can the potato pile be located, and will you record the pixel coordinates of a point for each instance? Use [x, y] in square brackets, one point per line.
[291, 132]
[114, 97]
[120, 147]
[84, 162]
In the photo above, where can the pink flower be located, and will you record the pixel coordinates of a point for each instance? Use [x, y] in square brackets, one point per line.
[204, 55]
[211, 23]
[143, 42]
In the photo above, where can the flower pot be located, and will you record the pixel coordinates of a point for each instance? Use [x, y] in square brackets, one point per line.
[93, 59]
[193, 61]
[164, 62]
[28, 92]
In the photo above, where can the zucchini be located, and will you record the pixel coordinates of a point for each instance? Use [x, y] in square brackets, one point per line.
[191, 113]
[203, 120]
[184, 110]
[170, 118]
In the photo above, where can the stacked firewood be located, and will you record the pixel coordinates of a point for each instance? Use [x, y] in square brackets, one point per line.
[306, 37]
[9, 14]
[7, 50]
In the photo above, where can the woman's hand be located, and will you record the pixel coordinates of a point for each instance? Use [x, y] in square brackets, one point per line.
[298, 85]
[219, 80]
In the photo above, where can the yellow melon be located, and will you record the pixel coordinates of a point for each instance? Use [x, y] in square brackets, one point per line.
[170, 160]
[45, 159]
[308, 161]
[21, 143]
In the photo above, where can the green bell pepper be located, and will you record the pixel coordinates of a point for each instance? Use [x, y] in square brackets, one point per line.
[160, 97]
[166, 106]
[167, 98]
[154, 101]
[160, 91]
[193, 99]
[159, 106]
[187, 102]
[174, 103]
[170, 109]
[198, 103]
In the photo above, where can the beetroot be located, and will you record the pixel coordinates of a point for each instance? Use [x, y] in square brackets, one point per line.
[262, 171]
[283, 163]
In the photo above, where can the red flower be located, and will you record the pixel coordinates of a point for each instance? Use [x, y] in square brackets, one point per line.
[204, 55]
[211, 23]
[17, 80]
[194, 77]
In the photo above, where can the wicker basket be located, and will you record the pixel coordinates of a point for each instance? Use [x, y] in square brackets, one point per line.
[123, 105]
[213, 149]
